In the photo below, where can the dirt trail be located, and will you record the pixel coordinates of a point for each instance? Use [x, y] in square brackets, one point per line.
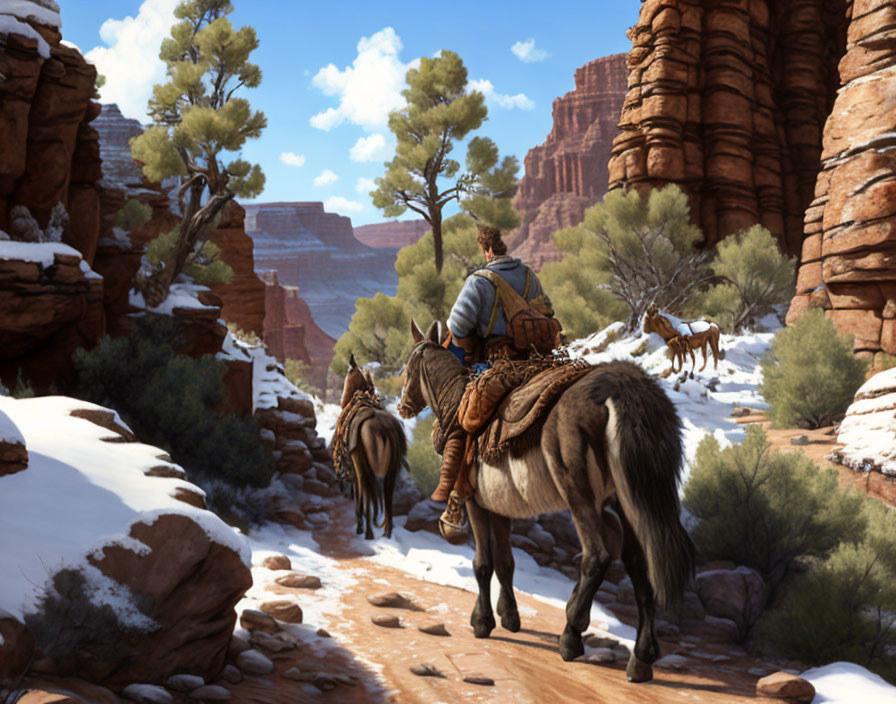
[525, 666]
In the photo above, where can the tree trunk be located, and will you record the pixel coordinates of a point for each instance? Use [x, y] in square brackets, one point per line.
[194, 227]
[437, 239]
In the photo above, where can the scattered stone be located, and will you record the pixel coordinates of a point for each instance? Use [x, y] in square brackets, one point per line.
[426, 670]
[783, 685]
[184, 683]
[321, 633]
[147, 694]
[477, 679]
[294, 580]
[238, 644]
[664, 629]
[424, 516]
[393, 600]
[347, 680]
[254, 662]
[601, 655]
[231, 674]
[434, 629]
[269, 642]
[297, 675]
[673, 662]
[286, 611]
[386, 621]
[593, 640]
[741, 412]
[324, 682]
[255, 620]
[277, 562]
[800, 440]
[211, 693]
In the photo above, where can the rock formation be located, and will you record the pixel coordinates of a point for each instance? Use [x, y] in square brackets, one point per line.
[291, 333]
[568, 173]
[317, 252]
[848, 263]
[729, 101]
[868, 432]
[391, 235]
[243, 297]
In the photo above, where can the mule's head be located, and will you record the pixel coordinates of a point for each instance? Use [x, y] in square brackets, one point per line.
[355, 380]
[413, 397]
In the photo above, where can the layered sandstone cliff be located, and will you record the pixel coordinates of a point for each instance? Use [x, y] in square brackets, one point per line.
[568, 173]
[391, 235]
[848, 263]
[317, 252]
[729, 99]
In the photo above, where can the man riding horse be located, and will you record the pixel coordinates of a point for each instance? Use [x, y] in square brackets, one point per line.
[496, 313]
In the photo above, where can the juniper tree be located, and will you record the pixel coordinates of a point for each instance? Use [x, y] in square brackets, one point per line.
[439, 113]
[197, 120]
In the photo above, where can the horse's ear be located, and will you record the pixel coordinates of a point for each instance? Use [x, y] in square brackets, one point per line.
[415, 331]
[433, 333]
[351, 361]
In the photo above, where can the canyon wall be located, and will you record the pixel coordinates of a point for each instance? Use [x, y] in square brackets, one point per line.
[848, 263]
[729, 100]
[392, 235]
[568, 173]
[317, 252]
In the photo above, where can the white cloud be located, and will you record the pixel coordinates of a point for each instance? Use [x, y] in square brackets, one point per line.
[130, 61]
[326, 176]
[501, 99]
[368, 148]
[365, 185]
[369, 89]
[292, 159]
[338, 204]
[527, 53]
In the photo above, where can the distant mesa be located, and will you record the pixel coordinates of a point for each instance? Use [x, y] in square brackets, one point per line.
[568, 173]
[317, 251]
[392, 235]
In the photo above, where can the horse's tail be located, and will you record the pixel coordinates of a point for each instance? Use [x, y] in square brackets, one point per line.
[645, 457]
[398, 448]
[387, 450]
[370, 497]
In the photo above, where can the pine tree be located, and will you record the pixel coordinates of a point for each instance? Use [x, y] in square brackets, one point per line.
[439, 113]
[197, 119]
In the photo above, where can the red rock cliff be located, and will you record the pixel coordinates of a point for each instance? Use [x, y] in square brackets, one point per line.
[728, 99]
[848, 263]
[568, 173]
[391, 235]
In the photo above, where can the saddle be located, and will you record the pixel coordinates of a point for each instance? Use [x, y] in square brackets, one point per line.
[505, 406]
[363, 406]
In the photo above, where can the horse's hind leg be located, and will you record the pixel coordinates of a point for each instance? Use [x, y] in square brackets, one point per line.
[647, 649]
[482, 620]
[359, 497]
[503, 559]
[388, 490]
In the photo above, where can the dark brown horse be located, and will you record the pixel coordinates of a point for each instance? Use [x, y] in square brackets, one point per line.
[609, 451]
[376, 444]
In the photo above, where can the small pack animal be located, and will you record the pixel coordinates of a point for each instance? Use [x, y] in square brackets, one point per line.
[530, 324]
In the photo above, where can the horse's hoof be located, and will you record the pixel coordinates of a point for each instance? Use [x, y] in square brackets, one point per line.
[483, 629]
[510, 621]
[638, 670]
[571, 646]
[368, 536]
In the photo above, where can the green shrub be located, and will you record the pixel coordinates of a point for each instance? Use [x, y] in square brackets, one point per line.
[246, 336]
[763, 508]
[297, 371]
[133, 215]
[423, 462]
[379, 331]
[753, 277]
[204, 266]
[639, 250]
[169, 399]
[810, 374]
[843, 608]
[23, 388]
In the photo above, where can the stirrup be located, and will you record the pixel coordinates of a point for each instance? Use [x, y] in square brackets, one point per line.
[452, 523]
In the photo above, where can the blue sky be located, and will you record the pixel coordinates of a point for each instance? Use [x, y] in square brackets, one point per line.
[326, 89]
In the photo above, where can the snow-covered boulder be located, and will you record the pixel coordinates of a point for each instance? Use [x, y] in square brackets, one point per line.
[119, 579]
[868, 432]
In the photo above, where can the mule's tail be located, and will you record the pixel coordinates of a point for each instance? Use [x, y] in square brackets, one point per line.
[645, 457]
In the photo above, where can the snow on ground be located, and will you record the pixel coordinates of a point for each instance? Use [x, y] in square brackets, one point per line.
[41, 252]
[77, 495]
[180, 295]
[848, 683]
[868, 432]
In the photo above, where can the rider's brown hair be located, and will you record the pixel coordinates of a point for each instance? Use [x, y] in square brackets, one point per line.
[490, 238]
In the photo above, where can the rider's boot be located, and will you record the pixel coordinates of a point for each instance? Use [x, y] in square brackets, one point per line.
[452, 457]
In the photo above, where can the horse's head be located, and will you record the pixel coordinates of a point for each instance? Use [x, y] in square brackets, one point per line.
[413, 394]
[355, 380]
